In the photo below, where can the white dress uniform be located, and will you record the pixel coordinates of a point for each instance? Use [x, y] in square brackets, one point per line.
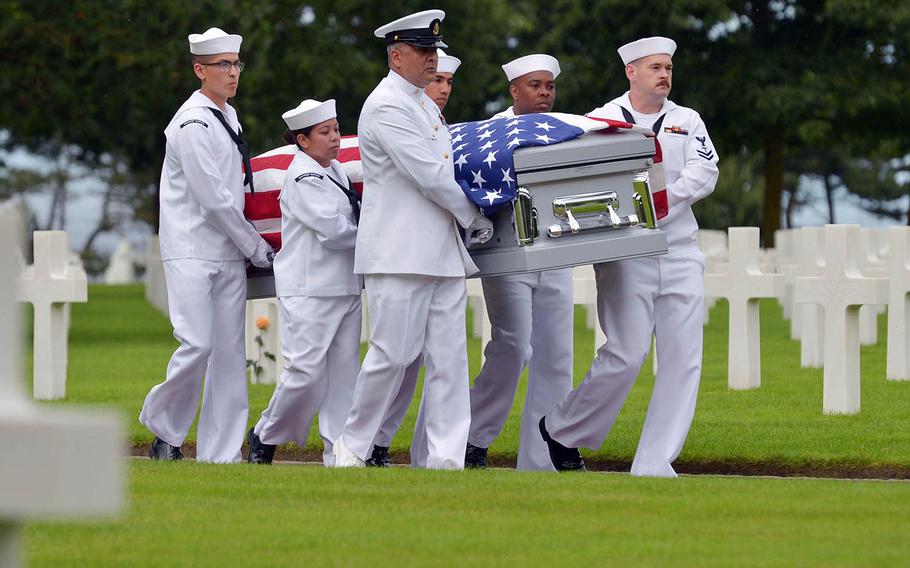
[532, 324]
[411, 252]
[319, 298]
[638, 297]
[204, 241]
[399, 407]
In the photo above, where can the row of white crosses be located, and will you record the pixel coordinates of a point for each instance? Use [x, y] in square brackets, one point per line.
[66, 463]
[829, 290]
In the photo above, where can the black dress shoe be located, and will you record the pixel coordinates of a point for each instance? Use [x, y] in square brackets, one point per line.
[161, 450]
[475, 457]
[563, 458]
[259, 452]
[379, 457]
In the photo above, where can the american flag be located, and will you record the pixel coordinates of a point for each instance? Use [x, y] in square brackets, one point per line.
[483, 150]
[482, 155]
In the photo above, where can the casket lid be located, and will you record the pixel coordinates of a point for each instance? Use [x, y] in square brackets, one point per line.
[592, 148]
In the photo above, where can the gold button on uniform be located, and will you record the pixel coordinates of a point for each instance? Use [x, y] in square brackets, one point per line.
[436, 127]
[446, 155]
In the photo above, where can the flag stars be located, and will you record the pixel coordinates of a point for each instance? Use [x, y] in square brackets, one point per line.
[514, 142]
[543, 138]
[514, 131]
[462, 160]
[485, 134]
[487, 146]
[478, 179]
[506, 176]
[492, 196]
[491, 158]
[546, 126]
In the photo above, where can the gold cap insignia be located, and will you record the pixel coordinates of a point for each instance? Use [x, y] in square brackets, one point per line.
[435, 27]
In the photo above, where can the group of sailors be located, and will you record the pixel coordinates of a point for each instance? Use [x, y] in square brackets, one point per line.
[406, 243]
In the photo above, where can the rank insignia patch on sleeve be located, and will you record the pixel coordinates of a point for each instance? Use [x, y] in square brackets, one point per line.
[704, 151]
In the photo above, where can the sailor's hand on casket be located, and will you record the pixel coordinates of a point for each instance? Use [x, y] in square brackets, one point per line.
[262, 256]
[479, 231]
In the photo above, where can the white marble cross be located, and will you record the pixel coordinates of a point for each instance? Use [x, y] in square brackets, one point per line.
[742, 285]
[65, 463]
[873, 266]
[840, 291]
[898, 304]
[812, 329]
[49, 284]
[784, 253]
[267, 308]
[120, 269]
[584, 293]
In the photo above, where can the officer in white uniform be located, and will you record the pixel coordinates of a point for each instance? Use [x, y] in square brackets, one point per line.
[318, 292]
[663, 296]
[204, 241]
[531, 316]
[410, 249]
[439, 91]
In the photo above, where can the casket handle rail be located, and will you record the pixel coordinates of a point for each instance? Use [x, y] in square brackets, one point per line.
[525, 216]
[588, 212]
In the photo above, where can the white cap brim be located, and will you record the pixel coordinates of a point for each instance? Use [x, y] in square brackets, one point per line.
[530, 64]
[646, 46]
[308, 113]
[446, 63]
[213, 41]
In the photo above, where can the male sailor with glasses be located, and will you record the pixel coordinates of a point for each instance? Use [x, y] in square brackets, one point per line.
[204, 241]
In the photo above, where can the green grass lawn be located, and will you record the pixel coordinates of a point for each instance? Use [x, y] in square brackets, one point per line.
[188, 514]
[119, 347]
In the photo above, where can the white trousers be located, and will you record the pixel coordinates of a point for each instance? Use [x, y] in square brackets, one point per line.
[394, 416]
[206, 302]
[532, 323]
[635, 298]
[320, 341]
[410, 315]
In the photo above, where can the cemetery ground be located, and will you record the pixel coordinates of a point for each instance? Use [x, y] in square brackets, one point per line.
[119, 346]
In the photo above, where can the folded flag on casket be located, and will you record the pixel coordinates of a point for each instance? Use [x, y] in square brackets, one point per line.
[483, 149]
[482, 156]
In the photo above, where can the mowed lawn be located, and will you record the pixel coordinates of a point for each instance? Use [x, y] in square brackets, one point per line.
[188, 514]
[120, 345]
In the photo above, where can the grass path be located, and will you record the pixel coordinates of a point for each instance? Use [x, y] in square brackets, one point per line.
[202, 515]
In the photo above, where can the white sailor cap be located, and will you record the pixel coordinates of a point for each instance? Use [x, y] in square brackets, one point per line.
[421, 29]
[213, 41]
[447, 63]
[645, 47]
[531, 63]
[308, 113]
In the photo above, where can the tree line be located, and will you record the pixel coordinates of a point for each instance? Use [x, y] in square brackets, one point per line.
[790, 89]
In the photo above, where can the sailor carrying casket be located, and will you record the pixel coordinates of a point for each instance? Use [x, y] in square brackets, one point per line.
[410, 250]
[204, 241]
[318, 292]
[641, 297]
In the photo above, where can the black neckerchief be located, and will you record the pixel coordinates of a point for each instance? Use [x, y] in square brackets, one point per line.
[631, 119]
[241, 145]
[353, 198]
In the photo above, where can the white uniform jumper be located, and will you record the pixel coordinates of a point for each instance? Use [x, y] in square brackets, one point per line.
[409, 248]
[531, 316]
[638, 297]
[319, 298]
[204, 241]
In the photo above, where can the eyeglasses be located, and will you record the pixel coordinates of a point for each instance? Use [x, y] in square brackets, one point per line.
[225, 66]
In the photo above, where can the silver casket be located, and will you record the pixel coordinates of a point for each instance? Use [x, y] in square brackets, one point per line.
[579, 202]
